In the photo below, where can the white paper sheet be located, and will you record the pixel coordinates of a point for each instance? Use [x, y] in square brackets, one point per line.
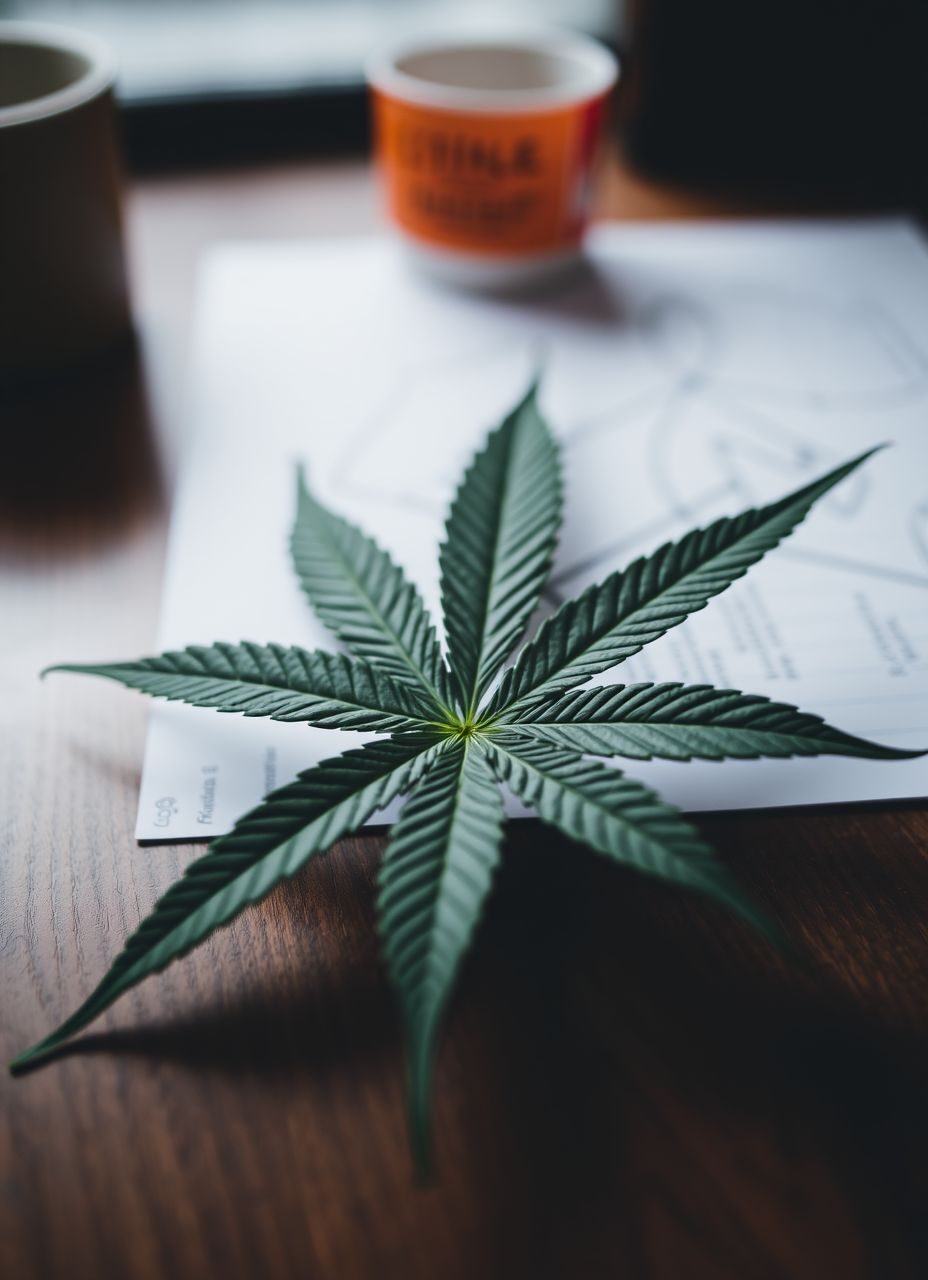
[690, 371]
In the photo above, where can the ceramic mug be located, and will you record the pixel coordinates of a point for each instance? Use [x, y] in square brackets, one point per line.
[486, 150]
[63, 293]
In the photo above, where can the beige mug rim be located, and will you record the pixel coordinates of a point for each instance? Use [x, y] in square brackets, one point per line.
[602, 71]
[99, 77]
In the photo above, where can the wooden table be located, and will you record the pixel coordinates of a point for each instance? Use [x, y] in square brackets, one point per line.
[632, 1085]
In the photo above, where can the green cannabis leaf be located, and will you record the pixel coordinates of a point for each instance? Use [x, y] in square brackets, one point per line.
[454, 738]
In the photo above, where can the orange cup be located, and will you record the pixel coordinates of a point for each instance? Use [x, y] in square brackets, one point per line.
[486, 150]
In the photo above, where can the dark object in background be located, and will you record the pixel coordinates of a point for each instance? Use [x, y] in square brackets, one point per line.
[809, 96]
[81, 464]
[63, 287]
[213, 131]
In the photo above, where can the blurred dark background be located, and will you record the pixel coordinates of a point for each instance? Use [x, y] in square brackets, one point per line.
[824, 96]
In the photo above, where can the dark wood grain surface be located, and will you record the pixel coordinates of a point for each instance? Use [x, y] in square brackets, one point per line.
[632, 1085]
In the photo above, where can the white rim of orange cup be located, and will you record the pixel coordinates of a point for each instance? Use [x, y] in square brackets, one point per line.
[589, 71]
[99, 76]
